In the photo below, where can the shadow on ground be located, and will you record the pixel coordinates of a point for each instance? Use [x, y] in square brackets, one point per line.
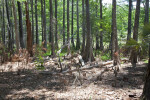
[21, 85]
[25, 82]
[127, 78]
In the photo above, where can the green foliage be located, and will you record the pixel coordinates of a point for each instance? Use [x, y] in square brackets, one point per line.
[96, 22]
[22, 0]
[62, 54]
[105, 56]
[48, 52]
[133, 44]
[145, 61]
[98, 52]
[39, 59]
[146, 33]
[39, 63]
[140, 48]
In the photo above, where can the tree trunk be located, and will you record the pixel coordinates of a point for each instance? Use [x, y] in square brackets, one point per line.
[44, 26]
[3, 26]
[56, 38]
[63, 22]
[32, 22]
[50, 28]
[78, 39]
[114, 34]
[136, 22]
[11, 24]
[83, 27]
[146, 20]
[110, 45]
[68, 27]
[97, 35]
[9, 29]
[101, 32]
[135, 33]
[36, 22]
[1, 17]
[20, 26]
[72, 39]
[16, 28]
[146, 89]
[129, 20]
[29, 33]
[42, 20]
[88, 54]
[52, 32]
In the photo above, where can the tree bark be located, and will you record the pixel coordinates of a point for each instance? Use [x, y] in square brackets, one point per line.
[78, 39]
[146, 20]
[11, 24]
[16, 28]
[129, 20]
[146, 90]
[1, 17]
[9, 29]
[68, 27]
[97, 35]
[83, 26]
[20, 26]
[42, 20]
[29, 33]
[56, 37]
[3, 26]
[63, 22]
[72, 39]
[114, 34]
[36, 22]
[50, 28]
[135, 33]
[101, 32]
[52, 32]
[44, 26]
[136, 21]
[32, 22]
[88, 54]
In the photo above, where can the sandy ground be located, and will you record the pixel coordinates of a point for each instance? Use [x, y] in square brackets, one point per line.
[19, 81]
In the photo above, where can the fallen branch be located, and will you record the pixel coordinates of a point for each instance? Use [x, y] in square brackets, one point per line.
[89, 67]
[125, 60]
[86, 67]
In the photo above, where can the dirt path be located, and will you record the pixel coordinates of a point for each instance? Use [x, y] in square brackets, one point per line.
[26, 85]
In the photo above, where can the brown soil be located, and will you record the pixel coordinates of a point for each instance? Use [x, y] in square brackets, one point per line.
[22, 82]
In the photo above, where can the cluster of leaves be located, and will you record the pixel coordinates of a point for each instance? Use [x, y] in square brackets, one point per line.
[146, 33]
[39, 58]
[104, 55]
[133, 44]
[140, 48]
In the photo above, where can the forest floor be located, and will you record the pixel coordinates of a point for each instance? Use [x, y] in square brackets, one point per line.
[20, 81]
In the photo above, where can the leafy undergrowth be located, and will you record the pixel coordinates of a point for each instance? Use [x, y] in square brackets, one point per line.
[23, 81]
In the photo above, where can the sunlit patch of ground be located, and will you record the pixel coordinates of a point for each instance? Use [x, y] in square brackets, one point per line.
[29, 85]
